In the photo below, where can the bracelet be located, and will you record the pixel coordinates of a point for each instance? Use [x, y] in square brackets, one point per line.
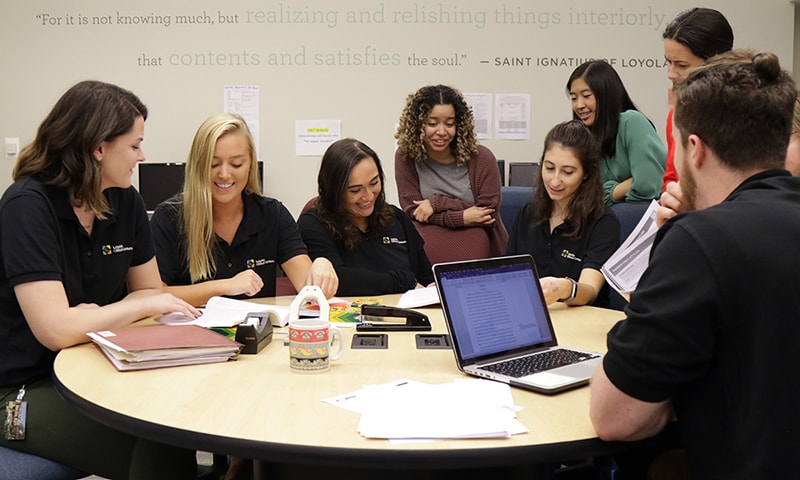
[574, 291]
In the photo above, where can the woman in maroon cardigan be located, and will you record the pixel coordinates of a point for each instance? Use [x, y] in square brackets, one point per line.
[446, 182]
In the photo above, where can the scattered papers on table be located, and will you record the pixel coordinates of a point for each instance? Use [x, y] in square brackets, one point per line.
[625, 267]
[221, 312]
[405, 409]
[419, 297]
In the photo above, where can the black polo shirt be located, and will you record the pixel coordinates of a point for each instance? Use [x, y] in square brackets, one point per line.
[42, 239]
[393, 261]
[267, 236]
[557, 255]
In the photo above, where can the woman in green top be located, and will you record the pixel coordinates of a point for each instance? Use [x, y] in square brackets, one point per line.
[633, 155]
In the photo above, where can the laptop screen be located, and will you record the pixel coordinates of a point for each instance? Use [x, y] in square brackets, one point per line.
[494, 306]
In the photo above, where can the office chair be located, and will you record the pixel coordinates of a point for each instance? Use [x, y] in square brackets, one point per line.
[521, 174]
[629, 215]
[512, 200]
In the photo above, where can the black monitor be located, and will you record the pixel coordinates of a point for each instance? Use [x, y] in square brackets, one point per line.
[160, 181]
[522, 174]
[501, 165]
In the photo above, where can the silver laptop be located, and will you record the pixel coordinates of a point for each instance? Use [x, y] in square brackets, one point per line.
[500, 326]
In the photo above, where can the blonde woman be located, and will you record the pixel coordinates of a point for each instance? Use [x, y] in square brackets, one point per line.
[220, 236]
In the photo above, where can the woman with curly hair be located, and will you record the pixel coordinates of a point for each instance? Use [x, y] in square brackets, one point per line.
[567, 228]
[446, 182]
[373, 245]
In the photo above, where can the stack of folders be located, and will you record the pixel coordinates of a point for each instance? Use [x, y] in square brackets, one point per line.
[157, 346]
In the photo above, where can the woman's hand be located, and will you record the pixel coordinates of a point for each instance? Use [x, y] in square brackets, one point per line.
[246, 282]
[555, 288]
[323, 275]
[161, 303]
[622, 189]
[423, 211]
[478, 216]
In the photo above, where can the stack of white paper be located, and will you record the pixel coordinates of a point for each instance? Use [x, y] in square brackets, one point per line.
[419, 297]
[466, 408]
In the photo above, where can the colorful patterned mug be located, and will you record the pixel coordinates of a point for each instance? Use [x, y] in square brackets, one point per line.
[310, 345]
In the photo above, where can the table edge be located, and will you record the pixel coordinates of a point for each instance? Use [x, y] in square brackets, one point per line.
[401, 458]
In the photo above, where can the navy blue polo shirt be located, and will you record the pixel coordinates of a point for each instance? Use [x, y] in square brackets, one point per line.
[42, 239]
[267, 237]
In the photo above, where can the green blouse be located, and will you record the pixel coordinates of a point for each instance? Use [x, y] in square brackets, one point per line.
[640, 154]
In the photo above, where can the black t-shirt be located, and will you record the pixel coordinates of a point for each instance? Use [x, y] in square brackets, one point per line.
[42, 239]
[267, 235]
[713, 325]
[383, 262]
[557, 255]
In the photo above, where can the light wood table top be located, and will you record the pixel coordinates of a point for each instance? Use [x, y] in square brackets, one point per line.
[256, 407]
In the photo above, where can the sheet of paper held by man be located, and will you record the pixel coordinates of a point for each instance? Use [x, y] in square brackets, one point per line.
[625, 267]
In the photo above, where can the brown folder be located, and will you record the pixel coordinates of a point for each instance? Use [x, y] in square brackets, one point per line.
[159, 337]
[154, 346]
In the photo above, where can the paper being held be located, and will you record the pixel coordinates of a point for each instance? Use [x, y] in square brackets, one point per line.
[222, 312]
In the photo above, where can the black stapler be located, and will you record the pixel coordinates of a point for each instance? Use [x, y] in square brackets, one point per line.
[255, 332]
[415, 321]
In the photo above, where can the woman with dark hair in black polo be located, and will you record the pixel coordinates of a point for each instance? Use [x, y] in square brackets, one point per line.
[373, 245]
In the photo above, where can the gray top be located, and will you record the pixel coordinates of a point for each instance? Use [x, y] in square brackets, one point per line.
[449, 179]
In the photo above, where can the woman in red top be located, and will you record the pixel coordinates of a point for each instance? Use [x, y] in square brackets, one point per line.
[690, 39]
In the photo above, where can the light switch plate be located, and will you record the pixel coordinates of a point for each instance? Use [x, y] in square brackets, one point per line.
[11, 147]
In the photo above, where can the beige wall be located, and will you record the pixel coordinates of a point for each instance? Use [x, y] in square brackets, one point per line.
[300, 65]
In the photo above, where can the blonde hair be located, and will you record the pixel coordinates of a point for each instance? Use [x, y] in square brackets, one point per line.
[198, 217]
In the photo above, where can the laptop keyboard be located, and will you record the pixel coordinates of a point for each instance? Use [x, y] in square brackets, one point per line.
[522, 366]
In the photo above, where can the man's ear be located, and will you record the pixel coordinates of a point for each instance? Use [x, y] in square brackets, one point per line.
[699, 151]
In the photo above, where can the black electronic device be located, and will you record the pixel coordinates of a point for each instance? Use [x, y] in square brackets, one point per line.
[160, 181]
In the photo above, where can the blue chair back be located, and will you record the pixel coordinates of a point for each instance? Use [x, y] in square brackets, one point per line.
[629, 215]
[513, 198]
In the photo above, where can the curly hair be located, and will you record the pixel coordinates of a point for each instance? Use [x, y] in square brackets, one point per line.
[411, 129]
[335, 169]
[587, 204]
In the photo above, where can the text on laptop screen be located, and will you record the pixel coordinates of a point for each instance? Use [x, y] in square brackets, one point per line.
[495, 309]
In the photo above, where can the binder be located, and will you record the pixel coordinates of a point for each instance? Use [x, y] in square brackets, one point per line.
[157, 346]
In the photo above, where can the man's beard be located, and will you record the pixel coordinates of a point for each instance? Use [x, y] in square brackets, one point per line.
[688, 186]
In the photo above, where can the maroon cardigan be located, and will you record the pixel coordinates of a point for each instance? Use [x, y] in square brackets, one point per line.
[484, 179]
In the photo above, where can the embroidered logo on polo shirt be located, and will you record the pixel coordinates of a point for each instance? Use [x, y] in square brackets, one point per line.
[253, 263]
[390, 240]
[569, 255]
[112, 249]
